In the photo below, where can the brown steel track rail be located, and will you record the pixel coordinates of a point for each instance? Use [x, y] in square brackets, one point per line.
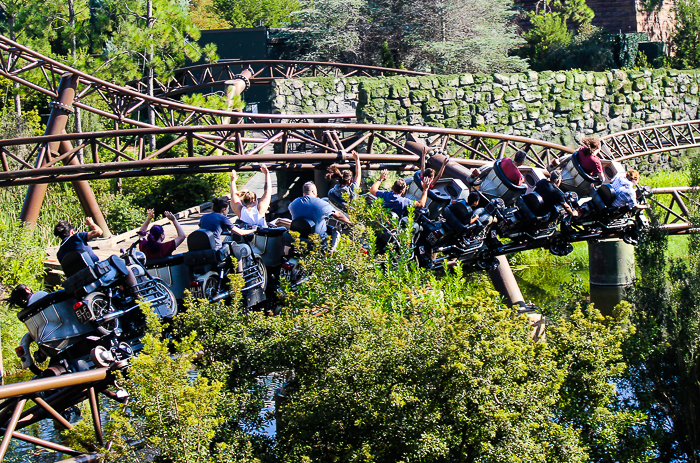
[264, 72]
[52, 397]
[675, 207]
[655, 139]
[297, 146]
[120, 104]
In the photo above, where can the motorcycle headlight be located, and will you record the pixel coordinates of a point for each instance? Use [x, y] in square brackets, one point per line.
[140, 257]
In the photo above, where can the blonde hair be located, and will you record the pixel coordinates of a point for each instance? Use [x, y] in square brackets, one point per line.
[247, 197]
[632, 175]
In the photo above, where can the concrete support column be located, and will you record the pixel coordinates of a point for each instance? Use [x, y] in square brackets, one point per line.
[611, 266]
[61, 109]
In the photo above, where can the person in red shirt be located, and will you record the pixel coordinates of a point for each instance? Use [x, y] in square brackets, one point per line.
[152, 245]
[588, 157]
[509, 167]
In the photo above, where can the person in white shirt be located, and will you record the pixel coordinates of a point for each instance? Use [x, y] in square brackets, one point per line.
[246, 205]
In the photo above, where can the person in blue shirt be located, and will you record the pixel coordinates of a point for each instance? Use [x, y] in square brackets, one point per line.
[217, 222]
[310, 207]
[394, 199]
[72, 240]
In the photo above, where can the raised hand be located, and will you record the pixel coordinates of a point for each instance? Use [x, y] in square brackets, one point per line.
[151, 214]
[169, 215]
[234, 176]
[264, 169]
[383, 175]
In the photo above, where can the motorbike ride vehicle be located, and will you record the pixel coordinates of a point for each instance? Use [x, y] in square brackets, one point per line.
[204, 269]
[599, 218]
[95, 320]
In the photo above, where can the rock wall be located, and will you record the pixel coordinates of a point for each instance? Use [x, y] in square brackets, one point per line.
[316, 95]
[554, 106]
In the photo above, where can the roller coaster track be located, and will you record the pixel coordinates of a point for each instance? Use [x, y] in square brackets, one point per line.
[53, 397]
[122, 153]
[655, 139]
[120, 104]
[264, 72]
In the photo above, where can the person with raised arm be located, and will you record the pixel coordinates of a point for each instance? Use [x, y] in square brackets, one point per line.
[246, 205]
[345, 184]
[394, 200]
[152, 245]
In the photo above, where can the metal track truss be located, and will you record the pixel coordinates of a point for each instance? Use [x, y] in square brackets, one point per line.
[675, 207]
[299, 146]
[264, 72]
[52, 397]
[655, 139]
[123, 105]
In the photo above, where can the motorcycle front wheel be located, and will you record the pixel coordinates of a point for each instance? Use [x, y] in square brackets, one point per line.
[100, 306]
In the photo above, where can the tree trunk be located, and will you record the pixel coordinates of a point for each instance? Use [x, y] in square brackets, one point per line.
[74, 52]
[18, 101]
[149, 70]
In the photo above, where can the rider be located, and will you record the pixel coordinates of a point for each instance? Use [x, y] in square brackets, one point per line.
[23, 296]
[587, 156]
[509, 167]
[217, 222]
[394, 199]
[429, 173]
[245, 203]
[76, 241]
[551, 195]
[152, 245]
[345, 183]
[624, 184]
[310, 207]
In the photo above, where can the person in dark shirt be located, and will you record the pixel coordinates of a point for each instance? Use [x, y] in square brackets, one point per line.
[217, 222]
[73, 241]
[551, 195]
[587, 156]
[152, 244]
[78, 242]
[394, 199]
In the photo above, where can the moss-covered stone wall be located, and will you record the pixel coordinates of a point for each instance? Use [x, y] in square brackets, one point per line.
[554, 106]
[316, 95]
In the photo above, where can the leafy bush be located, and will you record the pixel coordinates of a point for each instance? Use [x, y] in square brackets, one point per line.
[120, 213]
[175, 192]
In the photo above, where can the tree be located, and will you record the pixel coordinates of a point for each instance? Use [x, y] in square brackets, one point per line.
[440, 35]
[686, 37]
[664, 356]
[255, 13]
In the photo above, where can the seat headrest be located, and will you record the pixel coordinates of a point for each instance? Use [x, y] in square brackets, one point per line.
[200, 240]
[75, 261]
[607, 194]
[533, 201]
[417, 180]
[461, 210]
[304, 227]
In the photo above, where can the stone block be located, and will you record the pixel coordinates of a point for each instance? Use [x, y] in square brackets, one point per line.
[432, 106]
[466, 79]
[531, 96]
[498, 93]
[587, 93]
[502, 79]
[451, 110]
[564, 105]
[616, 110]
[419, 96]
[517, 105]
[446, 93]
[512, 95]
[600, 91]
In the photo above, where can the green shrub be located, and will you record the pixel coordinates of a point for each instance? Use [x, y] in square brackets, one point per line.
[120, 212]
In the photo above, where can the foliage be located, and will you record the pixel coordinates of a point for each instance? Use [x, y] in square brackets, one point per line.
[447, 36]
[204, 15]
[561, 37]
[391, 363]
[175, 411]
[255, 13]
[120, 213]
[174, 192]
[663, 357]
[685, 40]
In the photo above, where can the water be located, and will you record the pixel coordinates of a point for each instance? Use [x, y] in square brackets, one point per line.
[20, 451]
